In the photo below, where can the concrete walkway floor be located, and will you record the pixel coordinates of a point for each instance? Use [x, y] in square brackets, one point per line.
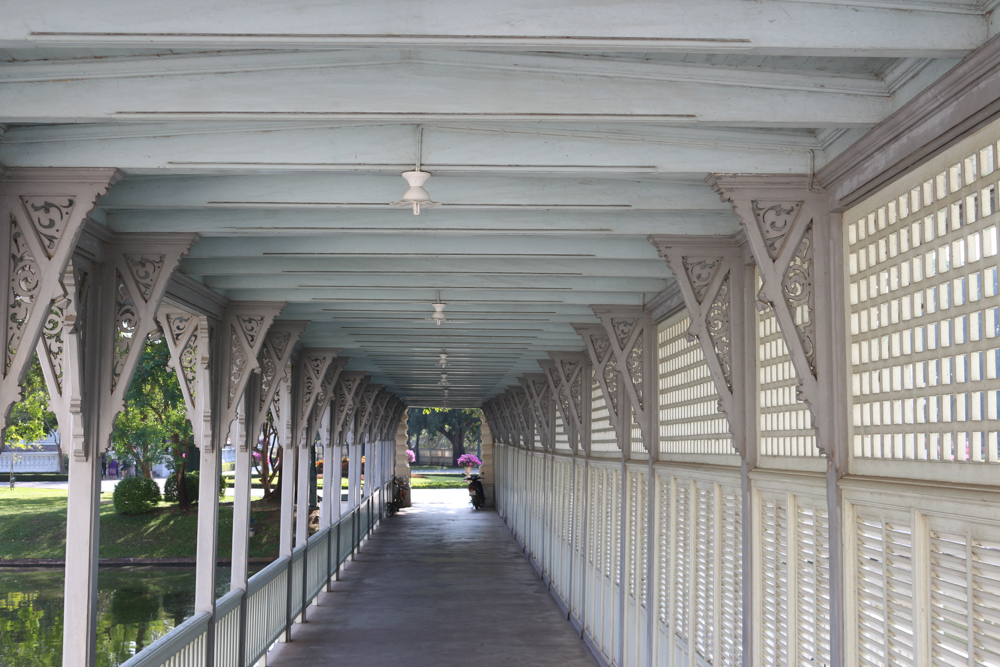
[439, 584]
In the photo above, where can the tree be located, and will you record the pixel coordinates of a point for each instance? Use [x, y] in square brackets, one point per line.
[30, 418]
[267, 459]
[154, 424]
[416, 425]
[456, 425]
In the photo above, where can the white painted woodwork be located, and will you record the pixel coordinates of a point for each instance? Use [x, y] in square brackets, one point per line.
[871, 29]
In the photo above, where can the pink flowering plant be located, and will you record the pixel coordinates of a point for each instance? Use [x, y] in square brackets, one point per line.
[410, 456]
[469, 460]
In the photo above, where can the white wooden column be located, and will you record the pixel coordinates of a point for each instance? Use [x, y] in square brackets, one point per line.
[312, 368]
[401, 467]
[326, 513]
[235, 348]
[281, 410]
[260, 395]
[116, 298]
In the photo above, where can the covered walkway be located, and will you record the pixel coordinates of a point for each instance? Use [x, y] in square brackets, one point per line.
[453, 586]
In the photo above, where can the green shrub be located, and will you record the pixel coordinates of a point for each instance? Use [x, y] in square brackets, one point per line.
[190, 485]
[136, 495]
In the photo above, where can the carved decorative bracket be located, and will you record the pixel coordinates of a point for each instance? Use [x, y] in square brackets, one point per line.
[366, 409]
[779, 214]
[632, 337]
[709, 272]
[237, 344]
[569, 374]
[324, 395]
[44, 211]
[377, 415]
[489, 409]
[187, 338]
[608, 375]
[274, 361]
[523, 415]
[346, 396]
[59, 351]
[309, 375]
[536, 385]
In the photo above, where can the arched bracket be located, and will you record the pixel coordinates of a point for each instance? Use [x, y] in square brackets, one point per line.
[608, 376]
[274, 361]
[310, 372]
[324, 395]
[238, 341]
[779, 214]
[346, 396]
[709, 272]
[539, 394]
[567, 373]
[44, 211]
[632, 338]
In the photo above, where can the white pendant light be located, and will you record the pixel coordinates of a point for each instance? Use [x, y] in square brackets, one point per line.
[438, 315]
[416, 196]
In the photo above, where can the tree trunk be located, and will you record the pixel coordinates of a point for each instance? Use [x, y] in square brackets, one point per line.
[179, 468]
[416, 450]
[457, 440]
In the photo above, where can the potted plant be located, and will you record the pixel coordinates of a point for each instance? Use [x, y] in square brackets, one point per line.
[469, 461]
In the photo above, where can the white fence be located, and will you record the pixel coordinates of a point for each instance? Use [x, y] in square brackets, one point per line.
[247, 623]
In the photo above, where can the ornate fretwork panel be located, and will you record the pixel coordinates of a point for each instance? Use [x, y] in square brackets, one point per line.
[536, 386]
[310, 372]
[243, 329]
[779, 215]
[187, 337]
[608, 373]
[366, 409]
[709, 272]
[346, 396]
[59, 352]
[273, 360]
[324, 396]
[44, 212]
[632, 339]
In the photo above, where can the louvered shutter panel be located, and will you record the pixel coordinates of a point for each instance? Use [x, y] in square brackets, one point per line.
[644, 553]
[885, 591]
[731, 558]
[663, 534]
[813, 585]
[704, 567]
[682, 560]
[986, 584]
[965, 598]
[774, 582]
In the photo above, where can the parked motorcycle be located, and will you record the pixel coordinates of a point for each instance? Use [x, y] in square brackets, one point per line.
[476, 493]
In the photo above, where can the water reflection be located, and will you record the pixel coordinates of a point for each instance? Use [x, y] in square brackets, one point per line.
[135, 606]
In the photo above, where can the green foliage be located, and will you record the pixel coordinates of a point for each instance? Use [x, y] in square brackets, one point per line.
[136, 495]
[154, 422]
[461, 427]
[191, 480]
[30, 418]
[33, 525]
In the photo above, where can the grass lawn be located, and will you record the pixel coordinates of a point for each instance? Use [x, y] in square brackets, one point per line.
[33, 525]
[432, 481]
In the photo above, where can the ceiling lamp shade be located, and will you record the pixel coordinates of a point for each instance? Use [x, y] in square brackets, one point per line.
[443, 363]
[416, 196]
[438, 315]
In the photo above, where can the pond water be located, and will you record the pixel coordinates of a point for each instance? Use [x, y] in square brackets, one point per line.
[135, 606]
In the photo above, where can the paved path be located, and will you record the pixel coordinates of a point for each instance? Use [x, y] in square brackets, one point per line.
[438, 584]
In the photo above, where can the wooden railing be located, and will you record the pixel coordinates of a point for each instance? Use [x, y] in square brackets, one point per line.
[247, 623]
